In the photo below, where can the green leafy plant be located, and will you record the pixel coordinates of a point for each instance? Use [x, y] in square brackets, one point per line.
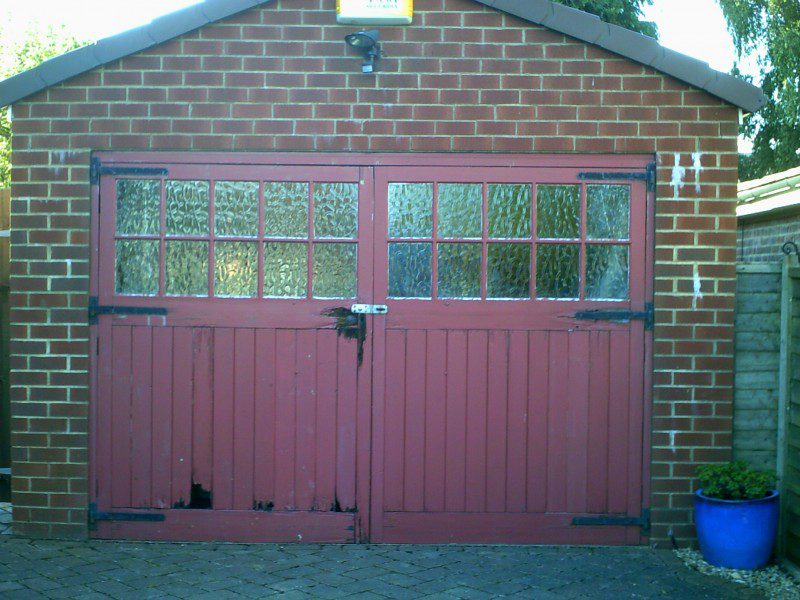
[734, 481]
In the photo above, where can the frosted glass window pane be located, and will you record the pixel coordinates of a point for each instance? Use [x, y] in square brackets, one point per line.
[186, 269]
[459, 270]
[509, 210]
[509, 271]
[236, 208]
[557, 271]
[409, 270]
[558, 211]
[608, 211]
[236, 269]
[138, 206]
[460, 210]
[285, 270]
[187, 207]
[136, 267]
[285, 209]
[336, 210]
[334, 271]
[607, 272]
[410, 210]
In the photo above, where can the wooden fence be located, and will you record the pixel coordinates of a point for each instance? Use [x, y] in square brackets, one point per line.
[5, 405]
[767, 385]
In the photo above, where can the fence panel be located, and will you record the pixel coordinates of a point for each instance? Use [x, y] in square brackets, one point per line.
[5, 405]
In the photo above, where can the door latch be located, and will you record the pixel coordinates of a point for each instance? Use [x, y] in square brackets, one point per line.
[369, 309]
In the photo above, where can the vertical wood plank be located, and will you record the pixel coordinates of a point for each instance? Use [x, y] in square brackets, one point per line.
[477, 347]
[121, 417]
[181, 414]
[456, 443]
[435, 424]
[346, 436]
[141, 415]
[517, 421]
[597, 466]
[325, 493]
[222, 486]
[264, 476]
[618, 424]
[285, 419]
[244, 418]
[414, 457]
[162, 416]
[497, 419]
[395, 419]
[202, 409]
[577, 421]
[306, 408]
[104, 398]
[538, 418]
[557, 403]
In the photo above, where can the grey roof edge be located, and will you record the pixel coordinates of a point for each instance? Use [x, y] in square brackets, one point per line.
[635, 46]
[79, 61]
[569, 21]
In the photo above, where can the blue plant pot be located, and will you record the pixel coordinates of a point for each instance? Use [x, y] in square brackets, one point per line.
[736, 534]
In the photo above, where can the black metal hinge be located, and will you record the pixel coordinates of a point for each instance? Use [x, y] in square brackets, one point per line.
[95, 515]
[648, 176]
[95, 309]
[96, 169]
[642, 521]
[621, 316]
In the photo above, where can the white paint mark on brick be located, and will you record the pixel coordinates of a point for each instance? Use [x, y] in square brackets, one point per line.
[698, 292]
[697, 165]
[678, 174]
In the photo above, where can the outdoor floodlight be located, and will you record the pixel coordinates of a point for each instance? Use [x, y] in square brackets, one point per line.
[368, 42]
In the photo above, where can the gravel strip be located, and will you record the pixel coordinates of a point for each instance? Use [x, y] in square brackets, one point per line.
[772, 581]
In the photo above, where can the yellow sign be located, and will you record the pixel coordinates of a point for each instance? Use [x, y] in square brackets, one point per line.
[374, 12]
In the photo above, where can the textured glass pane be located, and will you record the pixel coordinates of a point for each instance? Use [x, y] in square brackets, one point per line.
[285, 209]
[509, 210]
[138, 206]
[285, 270]
[236, 269]
[508, 271]
[334, 271]
[460, 210]
[608, 210]
[409, 270]
[557, 271]
[558, 211]
[607, 272]
[410, 208]
[336, 210]
[137, 267]
[459, 271]
[187, 208]
[236, 208]
[186, 267]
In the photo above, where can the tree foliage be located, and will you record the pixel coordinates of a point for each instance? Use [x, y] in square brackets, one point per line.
[626, 13]
[771, 30]
[36, 46]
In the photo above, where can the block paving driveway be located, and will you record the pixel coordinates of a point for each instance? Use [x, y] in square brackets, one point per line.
[104, 569]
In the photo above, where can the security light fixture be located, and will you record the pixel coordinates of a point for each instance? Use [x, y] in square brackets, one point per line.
[368, 42]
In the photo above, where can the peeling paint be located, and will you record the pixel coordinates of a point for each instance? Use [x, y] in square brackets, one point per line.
[678, 174]
[697, 165]
[698, 284]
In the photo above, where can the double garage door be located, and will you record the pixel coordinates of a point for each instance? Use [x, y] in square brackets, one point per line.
[339, 348]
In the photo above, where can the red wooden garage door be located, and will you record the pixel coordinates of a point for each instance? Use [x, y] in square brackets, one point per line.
[500, 398]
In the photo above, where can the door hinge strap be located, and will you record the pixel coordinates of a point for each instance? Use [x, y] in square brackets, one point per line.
[96, 170]
[95, 309]
[95, 515]
[642, 521]
[648, 176]
[647, 315]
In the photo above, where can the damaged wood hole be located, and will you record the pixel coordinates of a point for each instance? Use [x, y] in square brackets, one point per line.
[264, 506]
[199, 498]
[349, 325]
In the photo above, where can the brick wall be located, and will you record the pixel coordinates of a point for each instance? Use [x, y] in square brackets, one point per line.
[463, 78]
[761, 241]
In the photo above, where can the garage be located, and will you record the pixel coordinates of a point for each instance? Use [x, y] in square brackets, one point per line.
[483, 293]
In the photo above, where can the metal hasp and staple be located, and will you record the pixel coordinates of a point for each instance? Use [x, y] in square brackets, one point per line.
[95, 515]
[369, 309]
[642, 521]
[96, 309]
[620, 316]
[648, 176]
